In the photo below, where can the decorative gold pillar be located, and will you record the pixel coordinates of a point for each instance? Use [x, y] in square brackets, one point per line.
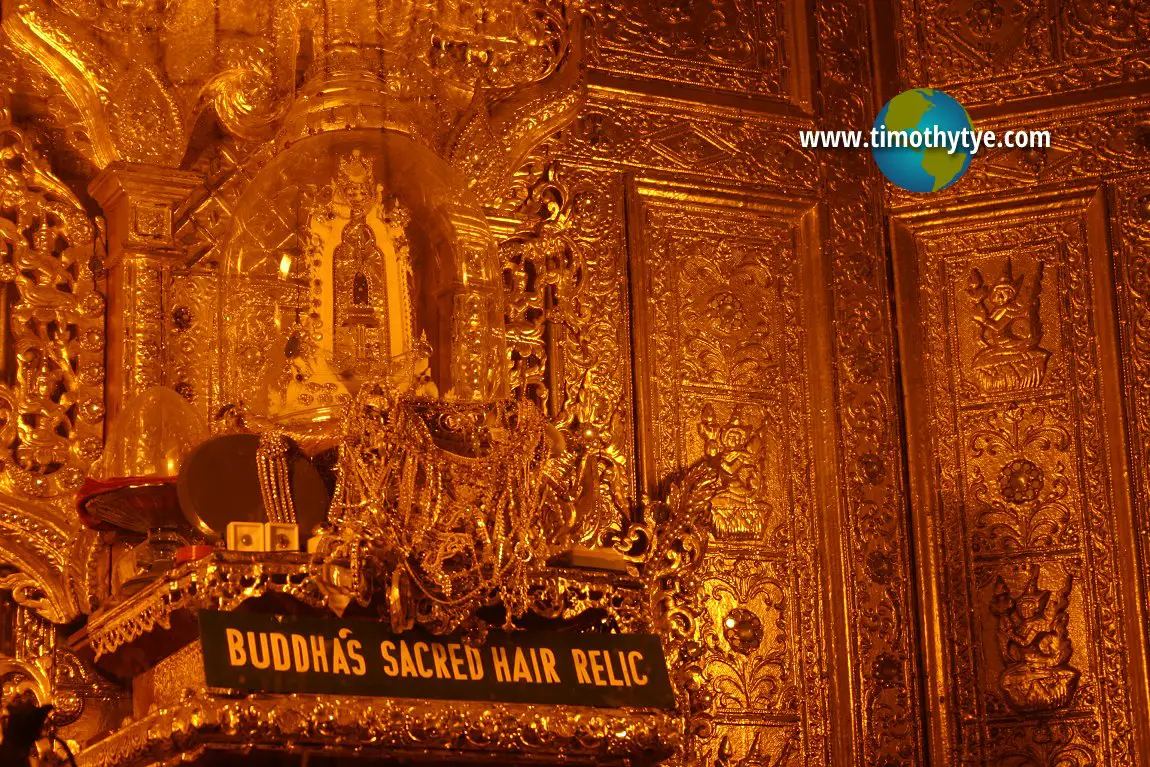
[138, 202]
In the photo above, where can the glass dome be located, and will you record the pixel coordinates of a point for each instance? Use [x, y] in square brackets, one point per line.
[358, 255]
[151, 436]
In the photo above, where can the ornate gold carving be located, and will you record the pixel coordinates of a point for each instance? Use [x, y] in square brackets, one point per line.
[1035, 645]
[1027, 608]
[51, 392]
[141, 108]
[713, 360]
[1043, 744]
[737, 444]
[51, 401]
[1088, 141]
[676, 539]
[344, 298]
[192, 333]
[589, 361]
[224, 581]
[768, 747]
[138, 202]
[1034, 498]
[994, 50]
[749, 644]
[874, 537]
[1009, 331]
[363, 274]
[543, 268]
[618, 128]
[439, 505]
[29, 594]
[727, 44]
[1132, 241]
[1021, 490]
[346, 727]
[36, 669]
[548, 314]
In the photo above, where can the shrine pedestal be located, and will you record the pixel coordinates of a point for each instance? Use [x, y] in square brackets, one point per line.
[151, 641]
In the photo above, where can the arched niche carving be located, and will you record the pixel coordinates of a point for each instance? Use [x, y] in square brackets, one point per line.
[348, 251]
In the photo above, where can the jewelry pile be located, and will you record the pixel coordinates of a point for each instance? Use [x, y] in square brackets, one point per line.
[438, 505]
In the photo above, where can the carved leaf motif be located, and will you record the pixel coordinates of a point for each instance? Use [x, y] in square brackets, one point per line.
[725, 287]
[1045, 521]
[749, 667]
[1018, 430]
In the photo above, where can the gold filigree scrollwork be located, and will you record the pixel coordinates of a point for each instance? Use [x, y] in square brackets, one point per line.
[51, 399]
[677, 530]
[543, 274]
[437, 506]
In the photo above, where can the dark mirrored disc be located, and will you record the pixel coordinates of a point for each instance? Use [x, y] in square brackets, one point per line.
[219, 483]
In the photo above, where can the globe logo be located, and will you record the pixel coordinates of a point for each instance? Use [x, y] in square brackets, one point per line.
[919, 141]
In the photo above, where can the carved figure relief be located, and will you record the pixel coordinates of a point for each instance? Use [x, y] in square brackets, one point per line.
[1009, 329]
[1035, 645]
[738, 443]
[720, 375]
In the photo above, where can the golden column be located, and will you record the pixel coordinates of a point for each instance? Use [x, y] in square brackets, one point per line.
[138, 202]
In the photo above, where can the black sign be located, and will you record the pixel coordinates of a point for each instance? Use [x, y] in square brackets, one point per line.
[257, 652]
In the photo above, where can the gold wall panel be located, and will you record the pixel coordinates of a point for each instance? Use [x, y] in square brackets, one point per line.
[721, 357]
[1014, 422]
[746, 46]
[976, 49]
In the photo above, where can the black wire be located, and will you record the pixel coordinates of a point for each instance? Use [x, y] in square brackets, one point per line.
[54, 738]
